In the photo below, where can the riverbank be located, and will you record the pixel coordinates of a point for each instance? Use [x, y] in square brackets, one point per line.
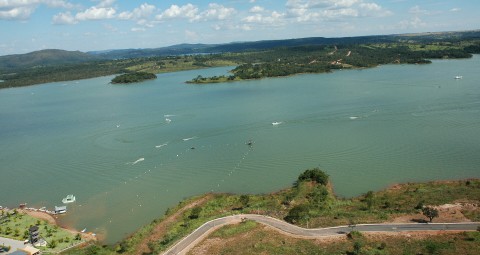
[312, 205]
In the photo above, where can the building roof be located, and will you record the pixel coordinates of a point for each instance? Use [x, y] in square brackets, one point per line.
[30, 250]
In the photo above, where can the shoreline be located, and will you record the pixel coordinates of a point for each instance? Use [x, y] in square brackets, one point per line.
[53, 220]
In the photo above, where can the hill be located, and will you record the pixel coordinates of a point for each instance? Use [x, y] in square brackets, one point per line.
[44, 58]
[182, 49]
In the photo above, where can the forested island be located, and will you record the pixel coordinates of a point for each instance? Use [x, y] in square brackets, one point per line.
[253, 60]
[321, 59]
[133, 77]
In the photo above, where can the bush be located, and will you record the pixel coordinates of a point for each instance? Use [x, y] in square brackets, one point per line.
[315, 175]
[297, 213]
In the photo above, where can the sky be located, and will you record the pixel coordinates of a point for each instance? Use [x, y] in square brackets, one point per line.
[90, 25]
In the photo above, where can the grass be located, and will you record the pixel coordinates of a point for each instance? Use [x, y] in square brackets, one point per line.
[16, 227]
[324, 210]
[262, 240]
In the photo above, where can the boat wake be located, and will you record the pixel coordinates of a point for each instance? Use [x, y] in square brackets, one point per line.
[190, 138]
[161, 145]
[136, 161]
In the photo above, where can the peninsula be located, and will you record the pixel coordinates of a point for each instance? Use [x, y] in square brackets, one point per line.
[310, 203]
[251, 60]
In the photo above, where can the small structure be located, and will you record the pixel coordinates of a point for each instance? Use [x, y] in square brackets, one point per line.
[34, 234]
[60, 209]
[30, 250]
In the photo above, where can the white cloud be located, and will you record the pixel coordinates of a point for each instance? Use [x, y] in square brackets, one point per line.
[138, 29]
[256, 9]
[105, 3]
[275, 18]
[96, 13]
[188, 11]
[415, 22]
[17, 13]
[141, 12]
[317, 10]
[455, 9]
[417, 10]
[64, 18]
[217, 12]
[23, 9]
[191, 35]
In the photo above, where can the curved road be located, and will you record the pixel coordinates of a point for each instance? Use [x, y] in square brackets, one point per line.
[188, 242]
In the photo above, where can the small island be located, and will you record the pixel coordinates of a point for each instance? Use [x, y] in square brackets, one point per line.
[133, 77]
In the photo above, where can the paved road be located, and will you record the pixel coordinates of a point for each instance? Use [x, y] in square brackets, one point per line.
[13, 243]
[184, 245]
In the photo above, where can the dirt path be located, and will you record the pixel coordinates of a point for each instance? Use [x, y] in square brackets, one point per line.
[161, 228]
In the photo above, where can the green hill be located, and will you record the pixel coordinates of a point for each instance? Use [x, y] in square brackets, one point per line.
[44, 58]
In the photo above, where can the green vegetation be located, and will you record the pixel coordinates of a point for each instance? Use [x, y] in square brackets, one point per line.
[258, 239]
[285, 61]
[133, 77]
[15, 225]
[254, 60]
[310, 202]
[430, 212]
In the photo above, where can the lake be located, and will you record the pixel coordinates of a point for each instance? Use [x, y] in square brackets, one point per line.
[114, 149]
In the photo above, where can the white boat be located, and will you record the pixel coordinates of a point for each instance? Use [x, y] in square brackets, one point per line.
[60, 209]
[276, 123]
[168, 120]
[458, 77]
[83, 231]
[68, 199]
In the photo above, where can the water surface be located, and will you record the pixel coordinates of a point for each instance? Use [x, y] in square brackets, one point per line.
[367, 128]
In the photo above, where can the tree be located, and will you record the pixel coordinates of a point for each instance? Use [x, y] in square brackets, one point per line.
[26, 234]
[244, 200]
[315, 175]
[369, 199]
[195, 212]
[430, 212]
[357, 247]
[318, 196]
[78, 236]
[298, 213]
[52, 244]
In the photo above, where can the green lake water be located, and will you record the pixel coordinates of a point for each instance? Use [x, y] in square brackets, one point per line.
[367, 128]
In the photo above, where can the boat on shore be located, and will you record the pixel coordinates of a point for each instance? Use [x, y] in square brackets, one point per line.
[68, 199]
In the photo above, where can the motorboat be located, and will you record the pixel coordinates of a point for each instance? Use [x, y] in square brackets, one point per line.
[68, 199]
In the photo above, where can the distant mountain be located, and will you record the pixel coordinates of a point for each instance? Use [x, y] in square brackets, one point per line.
[44, 58]
[61, 57]
[269, 44]
[179, 49]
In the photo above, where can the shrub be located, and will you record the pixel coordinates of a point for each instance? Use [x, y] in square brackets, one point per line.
[315, 175]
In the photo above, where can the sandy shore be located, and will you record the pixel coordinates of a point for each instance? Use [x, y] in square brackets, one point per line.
[52, 220]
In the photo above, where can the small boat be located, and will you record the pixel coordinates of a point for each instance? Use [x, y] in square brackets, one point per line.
[60, 209]
[458, 77]
[68, 199]
[83, 231]
[168, 120]
[276, 123]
